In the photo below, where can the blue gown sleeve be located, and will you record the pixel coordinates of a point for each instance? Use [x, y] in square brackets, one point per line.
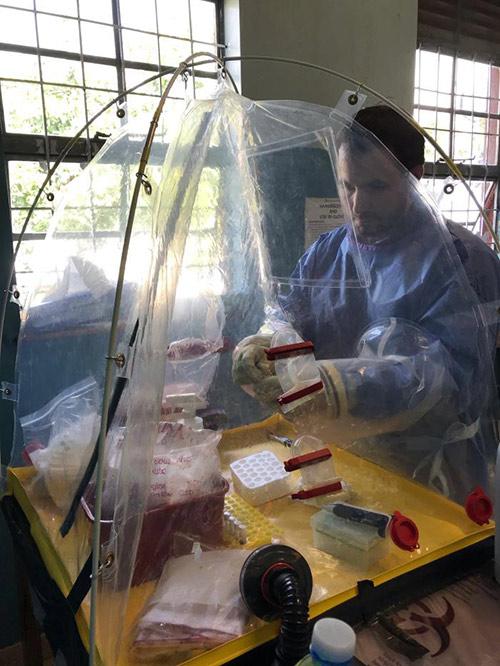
[441, 358]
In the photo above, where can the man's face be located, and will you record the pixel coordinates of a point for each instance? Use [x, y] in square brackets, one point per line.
[377, 191]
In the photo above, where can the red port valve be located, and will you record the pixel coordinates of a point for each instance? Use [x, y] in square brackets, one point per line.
[307, 459]
[294, 349]
[478, 506]
[329, 488]
[287, 398]
[404, 532]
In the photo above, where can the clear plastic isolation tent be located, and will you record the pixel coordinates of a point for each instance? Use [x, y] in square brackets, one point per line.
[233, 309]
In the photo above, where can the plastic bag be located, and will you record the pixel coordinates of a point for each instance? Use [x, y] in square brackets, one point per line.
[185, 464]
[193, 358]
[81, 275]
[197, 604]
[59, 438]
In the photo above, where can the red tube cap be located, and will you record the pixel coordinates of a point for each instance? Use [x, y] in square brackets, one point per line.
[285, 351]
[307, 459]
[403, 532]
[329, 488]
[478, 506]
[287, 398]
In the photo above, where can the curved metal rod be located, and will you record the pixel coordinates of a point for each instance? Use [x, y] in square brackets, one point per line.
[109, 371]
[449, 162]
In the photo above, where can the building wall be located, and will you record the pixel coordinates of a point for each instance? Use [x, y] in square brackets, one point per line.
[373, 41]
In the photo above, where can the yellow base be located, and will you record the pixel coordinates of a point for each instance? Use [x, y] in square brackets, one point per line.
[444, 529]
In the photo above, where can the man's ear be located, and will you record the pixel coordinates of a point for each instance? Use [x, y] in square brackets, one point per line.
[418, 171]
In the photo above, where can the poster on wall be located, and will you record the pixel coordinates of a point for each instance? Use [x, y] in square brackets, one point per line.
[322, 214]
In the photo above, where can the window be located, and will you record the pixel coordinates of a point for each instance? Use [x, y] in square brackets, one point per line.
[60, 62]
[457, 102]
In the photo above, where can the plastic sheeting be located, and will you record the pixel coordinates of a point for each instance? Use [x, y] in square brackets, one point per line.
[399, 370]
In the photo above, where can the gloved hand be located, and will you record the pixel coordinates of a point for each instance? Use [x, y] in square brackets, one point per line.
[253, 371]
[268, 390]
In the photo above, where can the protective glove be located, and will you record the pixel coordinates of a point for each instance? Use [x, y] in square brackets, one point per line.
[250, 363]
[253, 371]
[268, 390]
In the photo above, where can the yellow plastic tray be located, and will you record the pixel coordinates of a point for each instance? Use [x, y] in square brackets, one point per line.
[444, 528]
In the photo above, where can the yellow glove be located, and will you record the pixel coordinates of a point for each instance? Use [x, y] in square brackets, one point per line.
[253, 371]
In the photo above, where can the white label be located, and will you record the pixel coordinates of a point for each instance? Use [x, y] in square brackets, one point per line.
[321, 214]
[344, 104]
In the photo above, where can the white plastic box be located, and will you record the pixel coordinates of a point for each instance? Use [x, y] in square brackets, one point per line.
[356, 543]
[260, 478]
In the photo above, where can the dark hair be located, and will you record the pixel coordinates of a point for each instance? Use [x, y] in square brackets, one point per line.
[395, 132]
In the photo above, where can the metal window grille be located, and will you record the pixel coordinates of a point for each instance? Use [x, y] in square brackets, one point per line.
[457, 102]
[61, 61]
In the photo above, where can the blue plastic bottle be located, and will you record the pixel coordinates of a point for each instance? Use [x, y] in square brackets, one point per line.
[333, 643]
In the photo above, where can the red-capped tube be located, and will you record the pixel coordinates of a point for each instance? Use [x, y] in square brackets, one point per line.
[307, 459]
[287, 398]
[320, 490]
[294, 349]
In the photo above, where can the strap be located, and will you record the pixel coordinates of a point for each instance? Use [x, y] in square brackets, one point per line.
[59, 621]
[81, 586]
[120, 383]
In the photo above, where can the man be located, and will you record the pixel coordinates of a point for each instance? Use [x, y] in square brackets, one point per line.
[481, 264]
[399, 340]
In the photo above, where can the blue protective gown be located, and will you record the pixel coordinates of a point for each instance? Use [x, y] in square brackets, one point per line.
[419, 282]
[482, 268]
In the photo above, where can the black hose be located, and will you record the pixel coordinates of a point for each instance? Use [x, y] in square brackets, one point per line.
[294, 637]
